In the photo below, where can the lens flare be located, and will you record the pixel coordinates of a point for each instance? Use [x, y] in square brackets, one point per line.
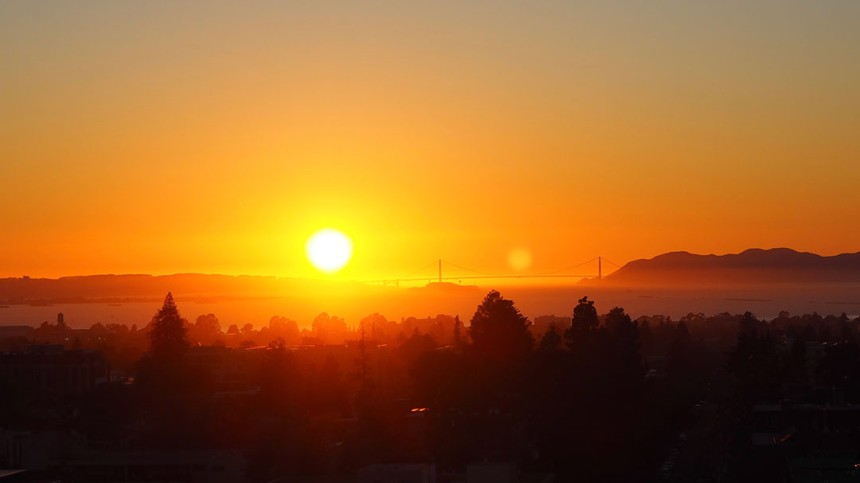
[520, 259]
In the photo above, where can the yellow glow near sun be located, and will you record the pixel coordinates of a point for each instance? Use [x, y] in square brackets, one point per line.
[329, 250]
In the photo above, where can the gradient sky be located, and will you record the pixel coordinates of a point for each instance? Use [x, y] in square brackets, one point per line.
[215, 137]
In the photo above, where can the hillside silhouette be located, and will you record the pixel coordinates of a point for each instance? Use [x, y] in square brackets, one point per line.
[141, 286]
[753, 266]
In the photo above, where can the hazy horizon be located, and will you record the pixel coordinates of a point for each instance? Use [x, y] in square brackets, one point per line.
[429, 273]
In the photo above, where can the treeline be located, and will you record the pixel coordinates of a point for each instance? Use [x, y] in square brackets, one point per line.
[578, 402]
[123, 345]
[593, 397]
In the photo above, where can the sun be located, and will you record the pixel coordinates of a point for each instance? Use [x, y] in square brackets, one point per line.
[329, 250]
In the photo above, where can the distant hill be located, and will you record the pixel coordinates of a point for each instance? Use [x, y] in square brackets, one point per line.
[754, 266]
[88, 288]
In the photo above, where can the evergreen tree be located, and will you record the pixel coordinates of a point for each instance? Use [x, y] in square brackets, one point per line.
[499, 331]
[583, 327]
[173, 393]
[168, 337]
[622, 360]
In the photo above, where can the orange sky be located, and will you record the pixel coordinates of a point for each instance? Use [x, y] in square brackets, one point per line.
[216, 137]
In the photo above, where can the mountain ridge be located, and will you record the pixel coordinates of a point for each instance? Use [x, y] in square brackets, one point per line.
[754, 265]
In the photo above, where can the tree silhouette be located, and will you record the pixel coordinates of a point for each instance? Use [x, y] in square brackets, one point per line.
[168, 337]
[206, 330]
[458, 338]
[286, 329]
[583, 327]
[622, 361]
[754, 360]
[499, 331]
[551, 340]
[330, 329]
[171, 390]
[679, 357]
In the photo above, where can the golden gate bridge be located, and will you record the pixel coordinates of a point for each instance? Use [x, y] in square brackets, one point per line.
[474, 274]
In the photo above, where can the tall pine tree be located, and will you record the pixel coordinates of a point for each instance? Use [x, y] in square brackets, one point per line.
[168, 337]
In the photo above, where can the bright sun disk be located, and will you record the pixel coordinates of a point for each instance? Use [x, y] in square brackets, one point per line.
[329, 250]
